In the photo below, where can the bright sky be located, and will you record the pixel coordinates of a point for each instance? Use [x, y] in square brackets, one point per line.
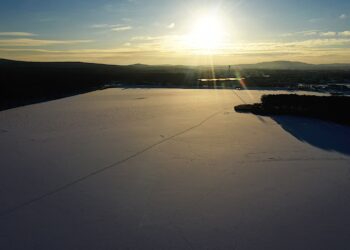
[176, 31]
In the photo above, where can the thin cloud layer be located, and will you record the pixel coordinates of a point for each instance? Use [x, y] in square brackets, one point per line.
[122, 28]
[16, 34]
[23, 42]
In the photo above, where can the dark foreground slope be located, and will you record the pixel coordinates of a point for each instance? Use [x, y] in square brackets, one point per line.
[29, 82]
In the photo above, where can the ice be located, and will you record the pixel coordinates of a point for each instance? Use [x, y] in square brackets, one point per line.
[170, 169]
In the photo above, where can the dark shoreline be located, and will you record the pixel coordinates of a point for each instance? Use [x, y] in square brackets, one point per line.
[23, 83]
[329, 108]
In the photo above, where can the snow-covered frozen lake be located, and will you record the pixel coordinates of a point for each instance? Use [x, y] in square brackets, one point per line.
[170, 169]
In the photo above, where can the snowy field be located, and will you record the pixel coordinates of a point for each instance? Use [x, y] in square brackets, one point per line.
[170, 169]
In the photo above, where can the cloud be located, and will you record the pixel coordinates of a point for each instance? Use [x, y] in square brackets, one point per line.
[112, 27]
[146, 38]
[345, 33]
[173, 43]
[16, 34]
[122, 28]
[310, 33]
[104, 25]
[23, 42]
[328, 34]
[120, 50]
[343, 16]
[313, 50]
[319, 43]
[171, 26]
[302, 33]
[173, 48]
[79, 51]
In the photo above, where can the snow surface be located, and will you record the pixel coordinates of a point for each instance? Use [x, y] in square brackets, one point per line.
[170, 169]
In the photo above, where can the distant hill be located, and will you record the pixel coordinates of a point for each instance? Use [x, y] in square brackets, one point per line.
[29, 82]
[12, 63]
[290, 65]
[274, 65]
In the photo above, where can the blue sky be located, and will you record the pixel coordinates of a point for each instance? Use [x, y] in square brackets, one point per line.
[158, 31]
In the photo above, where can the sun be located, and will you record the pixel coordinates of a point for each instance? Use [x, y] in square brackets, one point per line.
[207, 33]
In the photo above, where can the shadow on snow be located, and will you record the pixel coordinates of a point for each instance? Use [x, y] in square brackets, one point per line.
[325, 135]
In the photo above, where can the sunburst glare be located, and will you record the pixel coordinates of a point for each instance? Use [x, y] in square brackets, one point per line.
[207, 34]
